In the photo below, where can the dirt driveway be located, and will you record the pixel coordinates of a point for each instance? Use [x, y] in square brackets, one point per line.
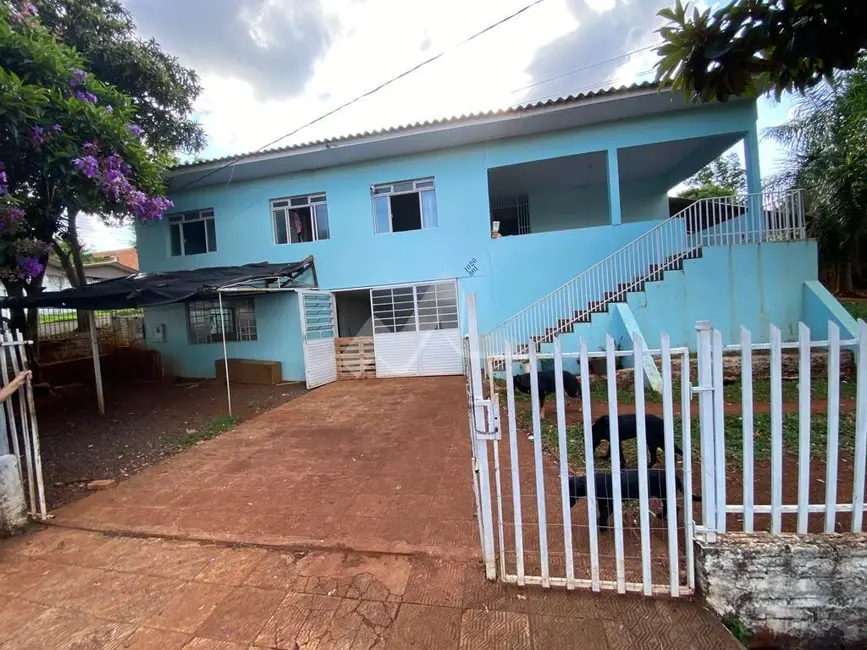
[374, 466]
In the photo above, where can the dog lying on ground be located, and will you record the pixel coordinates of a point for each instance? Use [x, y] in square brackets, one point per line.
[547, 386]
[628, 491]
[627, 426]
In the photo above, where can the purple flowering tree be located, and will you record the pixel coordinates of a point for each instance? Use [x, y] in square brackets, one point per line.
[68, 144]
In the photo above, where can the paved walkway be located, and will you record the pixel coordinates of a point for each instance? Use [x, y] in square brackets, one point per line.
[357, 502]
[66, 589]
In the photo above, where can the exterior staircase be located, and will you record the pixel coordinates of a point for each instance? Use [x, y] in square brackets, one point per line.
[725, 221]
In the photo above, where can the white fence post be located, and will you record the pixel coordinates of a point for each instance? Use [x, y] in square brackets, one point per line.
[719, 433]
[513, 466]
[482, 446]
[833, 426]
[803, 427]
[860, 431]
[641, 428]
[706, 428]
[776, 430]
[540, 472]
[614, 446]
[589, 469]
[747, 431]
[564, 464]
[670, 485]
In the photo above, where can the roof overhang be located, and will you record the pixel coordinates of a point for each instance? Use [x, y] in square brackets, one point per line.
[555, 115]
[156, 289]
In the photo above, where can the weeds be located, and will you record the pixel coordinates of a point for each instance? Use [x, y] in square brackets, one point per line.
[212, 429]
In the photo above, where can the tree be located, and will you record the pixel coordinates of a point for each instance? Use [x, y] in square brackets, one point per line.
[752, 46]
[827, 144]
[67, 140]
[724, 176]
[161, 90]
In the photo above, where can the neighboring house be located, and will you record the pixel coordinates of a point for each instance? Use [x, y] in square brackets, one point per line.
[106, 265]
[401, 226]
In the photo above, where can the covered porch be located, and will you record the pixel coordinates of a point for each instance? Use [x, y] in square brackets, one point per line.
[607, 187]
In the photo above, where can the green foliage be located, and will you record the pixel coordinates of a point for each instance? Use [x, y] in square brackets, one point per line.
[750, 46]
[162, 90]
[212, 429]
[826, 139]
[725, 176]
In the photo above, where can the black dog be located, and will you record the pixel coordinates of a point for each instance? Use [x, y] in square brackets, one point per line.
[547, 386]
[628, 490]
[627, 426]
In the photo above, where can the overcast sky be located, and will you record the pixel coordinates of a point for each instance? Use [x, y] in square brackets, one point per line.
[268, 66]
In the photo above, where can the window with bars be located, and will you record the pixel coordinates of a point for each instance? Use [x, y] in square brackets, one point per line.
[300, 219]
[205, 320]
[409, 309]
[403, 206]
[192, 233]
[510, 215]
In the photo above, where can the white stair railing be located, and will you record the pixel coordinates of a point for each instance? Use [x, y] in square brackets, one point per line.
[722, 221]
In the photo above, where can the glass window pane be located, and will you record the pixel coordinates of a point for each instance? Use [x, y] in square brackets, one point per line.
[380, 210]
[322, 221]
[175, 238]
[194, 238]
[429, 209]
[404, 187]
[382, 189]
[298, 201]
[212, 235]
[281, 236]
[424, 184]
[279, 204]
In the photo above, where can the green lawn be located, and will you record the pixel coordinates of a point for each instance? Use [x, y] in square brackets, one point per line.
[858, 308]
[733, 427]
[61, 317]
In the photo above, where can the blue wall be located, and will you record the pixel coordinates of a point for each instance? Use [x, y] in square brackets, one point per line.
[278, 339]
[820, 306]
[753, 285]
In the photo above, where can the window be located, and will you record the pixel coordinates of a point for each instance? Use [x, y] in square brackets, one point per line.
[408, 205]
[421, 307]
[192, 233]
[512, 213]
[300, 219]
[205, 320]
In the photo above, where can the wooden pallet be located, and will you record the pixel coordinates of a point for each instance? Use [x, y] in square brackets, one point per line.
[355, 358]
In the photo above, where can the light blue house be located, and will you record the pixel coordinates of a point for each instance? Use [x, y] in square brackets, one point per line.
[566, 199]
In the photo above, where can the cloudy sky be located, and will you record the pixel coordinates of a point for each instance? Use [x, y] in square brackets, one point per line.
[269, 66]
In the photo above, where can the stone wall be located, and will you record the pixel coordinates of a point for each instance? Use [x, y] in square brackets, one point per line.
[800, 591]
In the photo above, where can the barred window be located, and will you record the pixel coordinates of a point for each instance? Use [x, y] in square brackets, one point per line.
[205, 320]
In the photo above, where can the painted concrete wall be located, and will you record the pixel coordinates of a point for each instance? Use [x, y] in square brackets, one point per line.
[278, 339]
[507, 273]
[752, 285]
[581, 207]
[793, 591]
[820, 306]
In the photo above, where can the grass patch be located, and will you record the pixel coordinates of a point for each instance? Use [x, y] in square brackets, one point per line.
[733, 439]
[212, 429]
[858, 308]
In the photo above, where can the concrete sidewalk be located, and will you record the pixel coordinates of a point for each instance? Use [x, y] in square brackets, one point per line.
[67, 589]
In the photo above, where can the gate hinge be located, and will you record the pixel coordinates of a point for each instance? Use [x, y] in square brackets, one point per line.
[493, 419]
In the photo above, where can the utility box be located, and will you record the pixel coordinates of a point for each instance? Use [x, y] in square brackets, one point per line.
[159, 333]
[250, 371]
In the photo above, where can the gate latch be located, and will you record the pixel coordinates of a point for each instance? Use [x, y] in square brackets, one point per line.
[492, 407]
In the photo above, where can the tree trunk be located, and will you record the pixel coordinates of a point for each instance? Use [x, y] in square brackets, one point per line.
[72, 264]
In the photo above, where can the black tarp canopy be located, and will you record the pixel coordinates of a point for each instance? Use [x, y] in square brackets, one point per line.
[153, 289]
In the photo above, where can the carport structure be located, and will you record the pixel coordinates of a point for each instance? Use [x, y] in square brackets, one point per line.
[158, 289]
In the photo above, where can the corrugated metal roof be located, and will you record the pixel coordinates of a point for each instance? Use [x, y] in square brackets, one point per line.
[456, 119]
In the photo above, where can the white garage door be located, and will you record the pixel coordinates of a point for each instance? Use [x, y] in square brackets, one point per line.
[416, 331]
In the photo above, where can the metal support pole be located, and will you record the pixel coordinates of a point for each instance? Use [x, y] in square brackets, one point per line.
[225, 354]
[97, 366]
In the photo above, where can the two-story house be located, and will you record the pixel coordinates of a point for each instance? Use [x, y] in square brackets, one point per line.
[548, 212]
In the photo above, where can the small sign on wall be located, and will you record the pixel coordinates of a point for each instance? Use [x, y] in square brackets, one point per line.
[472, 267]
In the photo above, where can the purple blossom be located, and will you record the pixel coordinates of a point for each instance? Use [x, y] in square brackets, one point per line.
[28, 267]
[28, 8]
[135, 129]
[4, 181]
[90, 149]
[88, 165]
[10, 216]
[114, 184]
[86, 96]
[38, 136]
[78, 77]
[154, 208]
[108, 109]
[56, 128]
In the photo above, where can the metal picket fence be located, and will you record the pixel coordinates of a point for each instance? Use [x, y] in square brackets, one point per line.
[530, 531]
[19, 431]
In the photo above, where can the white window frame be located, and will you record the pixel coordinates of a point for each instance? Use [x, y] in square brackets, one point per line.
[286, 205]
[192, 216]
[419, 186]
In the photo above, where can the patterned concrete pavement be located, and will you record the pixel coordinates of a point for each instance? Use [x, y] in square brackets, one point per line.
[75, 590]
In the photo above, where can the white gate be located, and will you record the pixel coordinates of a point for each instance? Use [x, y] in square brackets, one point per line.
[19, 432]
[540, 538]
[318, 332]
[416, 330]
